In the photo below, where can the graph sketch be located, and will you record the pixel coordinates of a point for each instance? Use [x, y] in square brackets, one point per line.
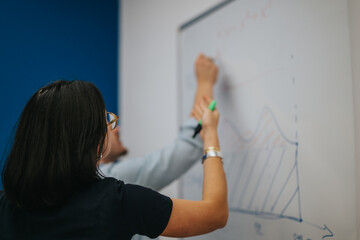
[262, 170]
[262, 173]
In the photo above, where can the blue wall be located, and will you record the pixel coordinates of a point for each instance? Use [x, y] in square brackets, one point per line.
[45, 40]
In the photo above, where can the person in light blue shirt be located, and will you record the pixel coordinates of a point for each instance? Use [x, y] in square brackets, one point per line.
[158, 169]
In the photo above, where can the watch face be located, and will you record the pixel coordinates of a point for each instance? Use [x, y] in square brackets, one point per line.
[211, 153]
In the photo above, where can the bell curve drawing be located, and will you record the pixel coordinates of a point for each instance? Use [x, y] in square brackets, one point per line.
[284, 93]
[266, 149]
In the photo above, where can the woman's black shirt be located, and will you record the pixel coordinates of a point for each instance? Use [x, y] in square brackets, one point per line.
[108, 209]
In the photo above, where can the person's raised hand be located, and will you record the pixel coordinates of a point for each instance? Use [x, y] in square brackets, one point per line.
[210, 119]
[206, 70]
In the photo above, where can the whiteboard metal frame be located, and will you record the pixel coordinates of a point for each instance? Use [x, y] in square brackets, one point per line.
[205, 14]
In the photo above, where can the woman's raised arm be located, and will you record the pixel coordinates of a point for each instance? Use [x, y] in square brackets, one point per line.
[190, 218]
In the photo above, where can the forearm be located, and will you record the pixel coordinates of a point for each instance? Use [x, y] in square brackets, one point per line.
[203, 89]
[190, 218]
[214, 184]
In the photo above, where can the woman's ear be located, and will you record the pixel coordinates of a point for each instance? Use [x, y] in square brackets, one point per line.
[107, 144]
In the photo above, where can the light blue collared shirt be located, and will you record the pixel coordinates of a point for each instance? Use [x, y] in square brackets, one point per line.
[158, 169]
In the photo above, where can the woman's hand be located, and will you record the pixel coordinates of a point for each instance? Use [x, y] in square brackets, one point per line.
[210, 119]
[206, 70]
[206, 74]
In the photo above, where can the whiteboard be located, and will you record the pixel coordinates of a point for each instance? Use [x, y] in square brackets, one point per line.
[284, 93]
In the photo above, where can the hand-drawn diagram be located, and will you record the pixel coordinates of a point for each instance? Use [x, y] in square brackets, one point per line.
[262, 173]
[262, 170]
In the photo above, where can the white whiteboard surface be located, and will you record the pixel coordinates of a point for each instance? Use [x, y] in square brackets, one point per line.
[284, 92]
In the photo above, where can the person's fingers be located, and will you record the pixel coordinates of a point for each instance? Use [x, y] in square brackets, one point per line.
[216, 112]
[204, 106]
[198, 59]
[200, 56]
[196, 114]
[197, 110]
[198, 117]
[207, 100]
[205, 58]
[200, 110]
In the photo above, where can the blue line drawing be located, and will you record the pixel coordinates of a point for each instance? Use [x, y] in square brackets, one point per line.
[272, 181]
[267, 183]
[262, 172]
[283, 187]
[328, 234]
[258, 228]
[259, 180]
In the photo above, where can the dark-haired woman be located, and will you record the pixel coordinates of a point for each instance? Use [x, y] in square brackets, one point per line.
[53, 189]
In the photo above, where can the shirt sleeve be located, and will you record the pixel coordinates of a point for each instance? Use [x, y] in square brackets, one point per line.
[147, 212]
[160, 168]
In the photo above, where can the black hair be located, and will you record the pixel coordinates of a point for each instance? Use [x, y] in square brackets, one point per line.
[59, 139]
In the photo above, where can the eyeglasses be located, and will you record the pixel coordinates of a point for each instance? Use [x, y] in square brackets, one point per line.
[112, 120]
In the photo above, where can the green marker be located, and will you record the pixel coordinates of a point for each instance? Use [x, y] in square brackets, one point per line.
[198, 127]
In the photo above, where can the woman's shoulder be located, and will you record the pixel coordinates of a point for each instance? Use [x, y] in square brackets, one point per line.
[111, 188]
[110, 181]
[105, 194]
[107, 185]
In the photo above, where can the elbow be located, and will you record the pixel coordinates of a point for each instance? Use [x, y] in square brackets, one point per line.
[216, 217]
[223, 218]
[222, 215]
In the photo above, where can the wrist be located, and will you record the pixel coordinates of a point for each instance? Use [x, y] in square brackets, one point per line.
[205, 83]
[211, 139]
[210, 132]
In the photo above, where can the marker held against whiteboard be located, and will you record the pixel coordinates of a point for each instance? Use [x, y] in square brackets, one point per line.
[199, 126]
